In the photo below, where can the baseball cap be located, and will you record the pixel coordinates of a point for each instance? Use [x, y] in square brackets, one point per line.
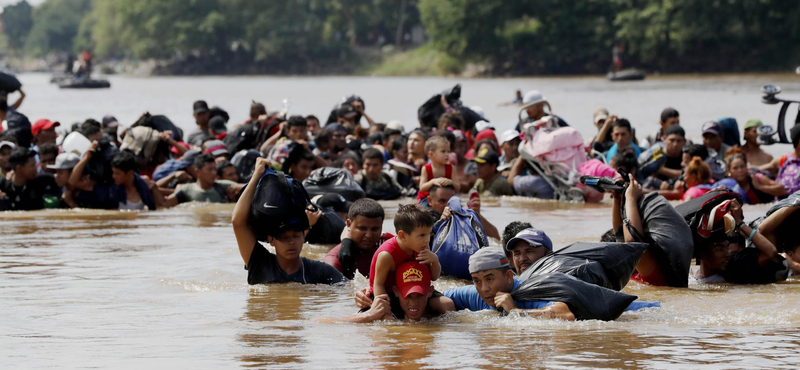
[533, 97]
[333, 201]
[487, 258]
[110, 121]
[217, 123]
[216, 147]
[486, 134]
[600, 114]
[65, 161]
[190, 156]
[483, 125]
[333, 127]
[43, 124]
[487, 156]
[532, 236]
[396, 125]
[509, 135]
[200, 106]
[753, 123]
[412, 277]
[4, 144]
[712, 127]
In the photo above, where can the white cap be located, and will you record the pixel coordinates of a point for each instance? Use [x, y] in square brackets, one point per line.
[483, 125]
[65, 161]
[478, 110]
[509, 135]
[395, 125]
[7, 143]
[533, 97]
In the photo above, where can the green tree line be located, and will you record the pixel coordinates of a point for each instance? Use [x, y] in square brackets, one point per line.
[510, 37]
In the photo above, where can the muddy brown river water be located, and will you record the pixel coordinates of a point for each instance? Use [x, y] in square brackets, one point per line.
[167, 289]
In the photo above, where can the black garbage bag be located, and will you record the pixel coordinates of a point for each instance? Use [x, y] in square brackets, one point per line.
[586, 301]
[279, 205]
[326, 180]
[608, 265]
[245, 163]
[743, 268]
[20, 128]
[430, 111]
[242, 138]
[9, 83]
[328, 229]
[669, 237]
[787, 231]
[160, 123]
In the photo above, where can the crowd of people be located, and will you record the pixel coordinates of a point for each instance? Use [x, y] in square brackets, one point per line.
[150, 164]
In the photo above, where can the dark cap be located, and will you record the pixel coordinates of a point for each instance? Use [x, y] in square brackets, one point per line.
[110, 121]
[333, 127]
[347, 111]
[486, 155]
[20, 156]
[190, 156]
[675, 130]
[200, 106]
[334, 201]
[488, 258]
[712, 127]
[534, 237]
[217, 123]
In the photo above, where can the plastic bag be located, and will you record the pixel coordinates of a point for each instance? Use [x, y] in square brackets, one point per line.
[327, 230]
[586, 301]
[608, 265]
[457, 238]
[326, 180]
[669, 237]
[430, 111]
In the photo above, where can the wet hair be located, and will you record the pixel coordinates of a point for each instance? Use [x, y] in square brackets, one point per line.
[675, 130]
[434, 188]
[48, 149]
[699, 170]
[90, 127]
[296, 121]
[609, 236]
[624, 123]
[696, 150]
[733, 154]
[434, 142]
[125, 161]
[202, 159]
[310, 117]
[297, 154]
[411, 216]
[221, 166]
[513, 229]
[373, 153]
[323, 137]
[20, 156]
[449, 135]
[451, 119]
[398, 144]
[668, 113]
[490, 142]
[389, 133]
[367, 208]
[625, 159]
[257, 109]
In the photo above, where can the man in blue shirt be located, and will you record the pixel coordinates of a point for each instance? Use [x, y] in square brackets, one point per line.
[493, 282]
[622, 134]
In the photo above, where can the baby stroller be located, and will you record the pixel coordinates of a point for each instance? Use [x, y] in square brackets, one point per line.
[556, 153]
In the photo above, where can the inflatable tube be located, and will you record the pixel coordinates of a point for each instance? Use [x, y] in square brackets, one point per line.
[79, 83]
[9, 83]
[669, 238]
[608, 265]
[326, 180]
[457, 238]
[586, 301]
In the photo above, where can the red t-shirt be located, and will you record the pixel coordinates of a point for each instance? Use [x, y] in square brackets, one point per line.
[448, 173]
[399, 257]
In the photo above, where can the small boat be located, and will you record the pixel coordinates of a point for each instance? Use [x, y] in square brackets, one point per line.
[626, 75]
[83, 83]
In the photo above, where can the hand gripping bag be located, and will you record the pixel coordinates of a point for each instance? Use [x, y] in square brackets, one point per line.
[608, 265]
[586, 301]
[457, 238]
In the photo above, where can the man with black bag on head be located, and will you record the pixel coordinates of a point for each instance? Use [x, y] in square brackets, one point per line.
[272, 210]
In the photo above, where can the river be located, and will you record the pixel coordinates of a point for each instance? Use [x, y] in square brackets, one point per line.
[167, 289]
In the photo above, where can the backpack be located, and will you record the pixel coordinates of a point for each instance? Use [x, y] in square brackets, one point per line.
[693, 211]
[142, 141]
[730, 131]
[279, 205]
[160, 123]
[245, 162]
[457, 238]
[243, 137]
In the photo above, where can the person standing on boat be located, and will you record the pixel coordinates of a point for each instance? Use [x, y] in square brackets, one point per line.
[615, 51]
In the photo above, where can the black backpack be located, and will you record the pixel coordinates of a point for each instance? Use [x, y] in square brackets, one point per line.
[278, 205]
[243, 137]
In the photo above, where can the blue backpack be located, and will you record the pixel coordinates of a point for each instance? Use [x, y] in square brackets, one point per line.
[457, 238]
